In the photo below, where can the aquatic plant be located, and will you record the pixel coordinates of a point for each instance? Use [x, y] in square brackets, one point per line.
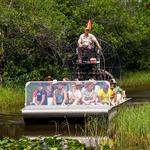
[39, 143]
[131, 128]
[96, 125]
[134, 79]
[11, 99]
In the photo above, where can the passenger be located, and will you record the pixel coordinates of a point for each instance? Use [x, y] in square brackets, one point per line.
[118, 92]
[48, 78]
[87, 41]
[75, 96]
[40, 96]
[49, 91]
[66, 79]
[76, 79]
[67, 86]
[88, 94]
[104, 94]
[97, 85]
[60, 95]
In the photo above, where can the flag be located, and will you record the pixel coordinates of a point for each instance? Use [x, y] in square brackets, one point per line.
[89, 25]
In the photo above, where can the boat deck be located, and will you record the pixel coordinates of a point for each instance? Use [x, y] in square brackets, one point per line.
[64, 110]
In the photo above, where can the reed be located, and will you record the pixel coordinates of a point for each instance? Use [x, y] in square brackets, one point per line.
[96, 126]
[132, 128]
[11, 99]
[134, 79]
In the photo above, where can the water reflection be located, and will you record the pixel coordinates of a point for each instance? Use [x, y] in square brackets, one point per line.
[11, 126]
[55, 128]
[14, 126]
[139, 94]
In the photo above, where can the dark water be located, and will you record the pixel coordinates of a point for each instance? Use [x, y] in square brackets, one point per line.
[14, 126]
[139, 94]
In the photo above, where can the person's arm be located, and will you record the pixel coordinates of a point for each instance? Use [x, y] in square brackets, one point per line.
[54, 98]
[78, 98]
[65, 97]
[43, 98]
[93, 98]
[80, 41]
[84, 101]
[35, 98]
[98, 45]
[96, 42]
[100, 95]
[119, 89]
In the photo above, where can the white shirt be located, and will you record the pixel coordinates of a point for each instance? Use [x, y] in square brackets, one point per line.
[86, 40]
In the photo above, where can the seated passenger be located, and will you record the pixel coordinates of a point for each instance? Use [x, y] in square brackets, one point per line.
[118, 92]
[60, 95]
[75, 96]
[87, 41]
[67, 86]
[48, 78]
[104, 94]
[40, 96]
[88, 94]
[49, 91]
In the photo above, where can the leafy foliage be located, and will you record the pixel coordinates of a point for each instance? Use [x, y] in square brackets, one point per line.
[35, 34]
[49, 143]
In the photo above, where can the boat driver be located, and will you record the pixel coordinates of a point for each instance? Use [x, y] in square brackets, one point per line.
[87, 41]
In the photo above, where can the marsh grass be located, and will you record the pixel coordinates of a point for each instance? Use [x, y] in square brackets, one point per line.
[132, 128]
[96, 125]
[11, 99]
[134, 79]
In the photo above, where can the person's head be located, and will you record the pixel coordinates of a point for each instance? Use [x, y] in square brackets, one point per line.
[78, 84]
[40, 87]
[65, 79]
[59, 86]
[49, 87]
[113, 83]
[86, 31]
[106, 86]
[76, 79]
[89, 86]
[48, 78]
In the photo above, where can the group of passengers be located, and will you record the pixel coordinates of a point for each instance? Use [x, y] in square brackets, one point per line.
[76, 93]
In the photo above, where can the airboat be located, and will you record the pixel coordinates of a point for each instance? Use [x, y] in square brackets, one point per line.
[104, 66]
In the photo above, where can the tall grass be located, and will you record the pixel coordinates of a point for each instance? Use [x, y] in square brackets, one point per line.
[132, 128]
[134, 79]
[11, 99]
[96, 125]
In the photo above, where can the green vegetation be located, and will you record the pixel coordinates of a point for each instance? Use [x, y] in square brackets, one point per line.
[11, 99]
[96, 125]
[135, 79]
[132, 128]
[35, 34]
[129, 129]
[50, 143]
